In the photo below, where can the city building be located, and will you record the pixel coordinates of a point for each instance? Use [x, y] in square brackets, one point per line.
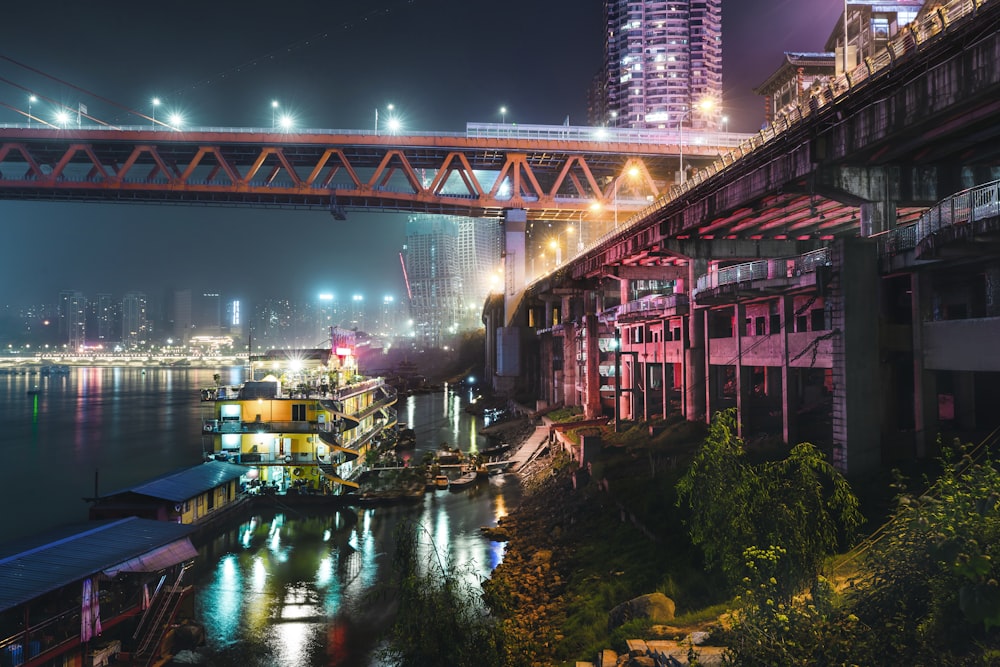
[478, 255]
[73, 318]
[662, 60]
[434, 282]
[135, 322]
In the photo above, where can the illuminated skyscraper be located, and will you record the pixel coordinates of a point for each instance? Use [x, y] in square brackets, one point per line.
[432, 267]
[663, 58]
[135, 325]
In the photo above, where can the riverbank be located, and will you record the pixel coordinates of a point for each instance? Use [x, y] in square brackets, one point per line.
[577, 548]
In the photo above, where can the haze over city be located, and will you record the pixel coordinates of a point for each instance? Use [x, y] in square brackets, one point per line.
[440, 63]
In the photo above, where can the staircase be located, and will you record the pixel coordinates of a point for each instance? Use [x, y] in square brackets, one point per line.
[156, 620]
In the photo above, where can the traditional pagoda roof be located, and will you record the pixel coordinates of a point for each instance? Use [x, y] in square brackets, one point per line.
[792, 61]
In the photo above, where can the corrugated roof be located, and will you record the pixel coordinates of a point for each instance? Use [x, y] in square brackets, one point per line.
[33, 566]
[188, 483]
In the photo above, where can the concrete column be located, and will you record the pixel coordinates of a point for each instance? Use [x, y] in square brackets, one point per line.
[925, 415]
[742, 391]
[786, 313]
[855, 353]
[548, 322]
[993, 290]
[965, 400]
[695, 376]
[515, 223]
[663, 369]
[570, 395]
[592, 389]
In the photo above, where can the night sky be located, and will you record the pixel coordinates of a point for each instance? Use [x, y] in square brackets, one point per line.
[440, 62]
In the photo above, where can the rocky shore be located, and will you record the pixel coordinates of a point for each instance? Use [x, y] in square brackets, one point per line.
[531, 588]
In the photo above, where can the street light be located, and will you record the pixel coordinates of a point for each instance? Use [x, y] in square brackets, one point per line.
[156, 103]
[31, 100]
[274, 110]
[390, 108]
[503, 115]
[704, 105]
[631, 173]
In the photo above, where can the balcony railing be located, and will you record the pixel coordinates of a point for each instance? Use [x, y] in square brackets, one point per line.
[764, 269]
[965, 207]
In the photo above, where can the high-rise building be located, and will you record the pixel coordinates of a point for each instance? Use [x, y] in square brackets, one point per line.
[435, 284]
[478, 256]
[663, 60]
[73, 314]
[100, 327]
[135, 323]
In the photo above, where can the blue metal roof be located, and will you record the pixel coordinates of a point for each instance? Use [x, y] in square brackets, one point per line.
[35, 565]
[188, 483]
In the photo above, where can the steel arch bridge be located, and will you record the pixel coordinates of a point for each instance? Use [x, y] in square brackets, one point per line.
[553, 172]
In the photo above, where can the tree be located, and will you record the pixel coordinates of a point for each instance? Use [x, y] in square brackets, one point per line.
[800, 503]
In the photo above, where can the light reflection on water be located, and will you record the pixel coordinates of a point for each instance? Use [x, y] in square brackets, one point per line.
[273, 590]
[311, 584]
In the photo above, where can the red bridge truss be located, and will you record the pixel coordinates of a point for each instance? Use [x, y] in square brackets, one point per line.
[435, 173]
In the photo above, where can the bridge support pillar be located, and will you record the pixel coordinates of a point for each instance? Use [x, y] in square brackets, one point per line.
[786, 311]
[695, 377]
[592, 388]
[741, 374]
[570, 393]
[514, 225]
[857, 404]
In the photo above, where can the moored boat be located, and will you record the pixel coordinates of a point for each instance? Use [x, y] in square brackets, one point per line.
[464, 481]
[441, 481]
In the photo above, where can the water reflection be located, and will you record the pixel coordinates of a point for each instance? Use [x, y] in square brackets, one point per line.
[290, 589]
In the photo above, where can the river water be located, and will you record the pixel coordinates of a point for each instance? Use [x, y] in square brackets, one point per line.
[277, 588]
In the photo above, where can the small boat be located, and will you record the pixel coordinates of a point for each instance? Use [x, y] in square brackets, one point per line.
[441, 481]
[465, 480]
[447, 455]
[496, 450]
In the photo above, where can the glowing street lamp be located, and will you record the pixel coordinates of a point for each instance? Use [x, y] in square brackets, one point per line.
[503, 115]
[286, 122]
[390, 108]
[705, 105]
[632, 173]
[176, 120]
[274, 111]
[156, 103]
[31, 100]
[62, 118]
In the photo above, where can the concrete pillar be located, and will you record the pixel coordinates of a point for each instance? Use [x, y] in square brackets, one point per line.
[965, 400]
[663, 369]
[570, 395]
[549, 321]
[855, 353]
[992, 275]
[789, 402]
[925, 415]
[515, 223]
[695, 377]
[742, 381]
[592, 389]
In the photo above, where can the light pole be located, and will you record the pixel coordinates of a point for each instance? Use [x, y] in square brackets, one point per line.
[725, 129]
[156, 103]
[392, 121]
[704, 105]
[274, 111]
[31, 100]
[631, 173]
[503, 115]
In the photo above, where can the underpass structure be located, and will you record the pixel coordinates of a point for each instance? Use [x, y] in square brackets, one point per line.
[803, 281]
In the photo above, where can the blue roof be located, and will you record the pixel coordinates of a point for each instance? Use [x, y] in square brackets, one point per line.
[188, 483]
[36, 565]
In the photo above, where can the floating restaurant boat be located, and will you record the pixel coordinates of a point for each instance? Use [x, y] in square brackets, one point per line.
[304, 421]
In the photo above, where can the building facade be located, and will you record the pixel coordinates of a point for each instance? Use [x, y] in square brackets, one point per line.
[662, 60]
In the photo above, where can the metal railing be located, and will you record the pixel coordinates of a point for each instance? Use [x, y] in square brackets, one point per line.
[764, 269]
[965, 207]
[651, 304]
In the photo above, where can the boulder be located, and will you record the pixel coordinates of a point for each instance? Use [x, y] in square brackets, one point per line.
[657, 607]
